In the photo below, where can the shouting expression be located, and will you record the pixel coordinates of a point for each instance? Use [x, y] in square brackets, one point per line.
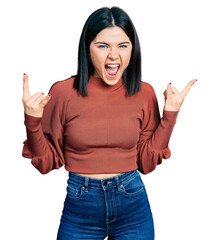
[110, 54]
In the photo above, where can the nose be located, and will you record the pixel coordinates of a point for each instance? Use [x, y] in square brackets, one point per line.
[113, 54]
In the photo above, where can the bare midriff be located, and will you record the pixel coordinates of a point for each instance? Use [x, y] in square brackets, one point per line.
[99, 176]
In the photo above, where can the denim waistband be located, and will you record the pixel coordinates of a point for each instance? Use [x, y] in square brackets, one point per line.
[100, 183]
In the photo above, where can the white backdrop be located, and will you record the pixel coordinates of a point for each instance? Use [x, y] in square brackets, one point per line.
[179, 42]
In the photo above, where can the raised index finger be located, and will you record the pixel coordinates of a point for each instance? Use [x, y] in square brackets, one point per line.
[187, 88]
[26, 91]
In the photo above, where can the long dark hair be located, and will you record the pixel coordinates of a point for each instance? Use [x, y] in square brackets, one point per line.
[96, 22]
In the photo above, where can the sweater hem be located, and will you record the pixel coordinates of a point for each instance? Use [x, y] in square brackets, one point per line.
[95, 171]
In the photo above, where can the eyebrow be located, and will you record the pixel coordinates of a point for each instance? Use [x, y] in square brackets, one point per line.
[108, 44]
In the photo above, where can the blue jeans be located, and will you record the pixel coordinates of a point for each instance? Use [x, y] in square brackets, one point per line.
[116, 207]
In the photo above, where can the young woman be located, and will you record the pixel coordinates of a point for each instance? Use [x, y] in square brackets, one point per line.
[104, 125]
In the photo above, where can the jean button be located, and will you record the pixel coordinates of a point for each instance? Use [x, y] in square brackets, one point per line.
[105, 183]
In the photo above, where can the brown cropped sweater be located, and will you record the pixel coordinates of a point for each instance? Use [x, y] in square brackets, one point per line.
[105, 132]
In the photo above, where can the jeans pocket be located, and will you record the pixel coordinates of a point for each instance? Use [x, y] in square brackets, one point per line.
[75, 192]
[133, 187]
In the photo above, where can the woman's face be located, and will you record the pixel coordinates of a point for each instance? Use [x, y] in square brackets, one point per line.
[110, 53]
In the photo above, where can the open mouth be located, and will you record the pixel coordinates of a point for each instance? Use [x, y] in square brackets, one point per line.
[112, 70]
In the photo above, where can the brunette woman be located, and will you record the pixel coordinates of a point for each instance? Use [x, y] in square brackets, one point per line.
[104, 126]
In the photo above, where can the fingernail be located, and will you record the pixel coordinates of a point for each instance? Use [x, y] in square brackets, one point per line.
[170, 83]
[24, 74]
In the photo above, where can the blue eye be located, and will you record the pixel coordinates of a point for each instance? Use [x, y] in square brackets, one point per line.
[102, 46]
[123, 46]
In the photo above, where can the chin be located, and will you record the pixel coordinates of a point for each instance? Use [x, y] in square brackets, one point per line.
[111, 81]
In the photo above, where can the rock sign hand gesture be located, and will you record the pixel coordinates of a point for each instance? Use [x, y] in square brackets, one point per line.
[33, 104]
[174, 98]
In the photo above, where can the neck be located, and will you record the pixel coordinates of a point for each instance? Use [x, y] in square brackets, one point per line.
[99, 83]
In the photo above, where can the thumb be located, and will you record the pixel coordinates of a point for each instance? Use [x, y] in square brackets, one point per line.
[45, 100]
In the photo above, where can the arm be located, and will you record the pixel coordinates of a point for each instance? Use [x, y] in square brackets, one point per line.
[155, 134]
[44, 143]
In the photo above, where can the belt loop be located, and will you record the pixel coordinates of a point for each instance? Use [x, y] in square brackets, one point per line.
[119, 186]
[86, 184]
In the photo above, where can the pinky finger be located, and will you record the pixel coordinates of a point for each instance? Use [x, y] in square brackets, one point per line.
[45, 100]
[168, 92]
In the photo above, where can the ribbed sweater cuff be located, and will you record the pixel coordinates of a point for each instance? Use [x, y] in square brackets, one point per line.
[32, 123]
[169, 117]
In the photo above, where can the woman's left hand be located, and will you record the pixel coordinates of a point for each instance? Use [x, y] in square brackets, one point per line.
[174, 98]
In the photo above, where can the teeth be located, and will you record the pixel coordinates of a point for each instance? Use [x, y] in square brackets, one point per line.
[113, 66]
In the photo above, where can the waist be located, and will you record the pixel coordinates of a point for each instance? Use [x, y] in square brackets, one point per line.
[99, 175]
[98, 183]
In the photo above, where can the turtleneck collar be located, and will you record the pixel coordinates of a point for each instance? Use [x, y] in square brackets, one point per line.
[100, 84]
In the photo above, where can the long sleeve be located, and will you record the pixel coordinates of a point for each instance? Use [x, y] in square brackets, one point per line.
[44, 143]
[155, 134]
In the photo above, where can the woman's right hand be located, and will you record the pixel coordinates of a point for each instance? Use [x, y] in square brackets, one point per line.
[33, 104]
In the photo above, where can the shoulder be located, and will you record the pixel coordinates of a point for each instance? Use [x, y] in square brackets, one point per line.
[62, 85]
[63, 88]
[147, 89]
